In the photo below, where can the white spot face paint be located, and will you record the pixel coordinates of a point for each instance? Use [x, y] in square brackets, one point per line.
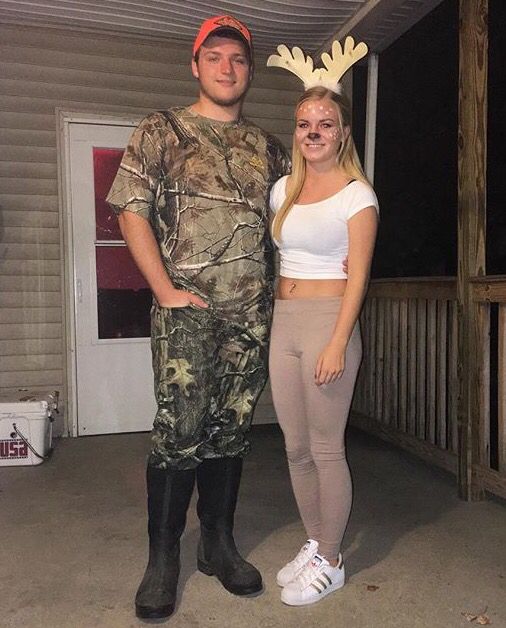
[317, 130]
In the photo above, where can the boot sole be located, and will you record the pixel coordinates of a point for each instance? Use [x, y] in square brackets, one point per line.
[252, 591]
[145, 612]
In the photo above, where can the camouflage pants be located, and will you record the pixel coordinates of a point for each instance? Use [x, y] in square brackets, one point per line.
[209, 373]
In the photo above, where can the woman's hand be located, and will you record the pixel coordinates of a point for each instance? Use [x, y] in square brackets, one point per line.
[330, 364]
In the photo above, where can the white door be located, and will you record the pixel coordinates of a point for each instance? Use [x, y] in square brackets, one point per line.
[112, 301]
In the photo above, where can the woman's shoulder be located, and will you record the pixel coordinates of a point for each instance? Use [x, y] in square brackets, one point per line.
[278, 193]
[357, 185]
[361, 194]
[280, 184]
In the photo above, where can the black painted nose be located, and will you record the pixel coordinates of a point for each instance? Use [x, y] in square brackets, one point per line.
[314, 136]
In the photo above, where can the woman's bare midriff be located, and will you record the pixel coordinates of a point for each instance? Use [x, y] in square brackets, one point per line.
[291, 288]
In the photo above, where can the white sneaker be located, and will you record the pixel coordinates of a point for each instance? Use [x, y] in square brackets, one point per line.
[292, 569]
[314, 582]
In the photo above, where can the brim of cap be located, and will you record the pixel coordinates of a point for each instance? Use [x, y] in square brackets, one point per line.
[221, 31]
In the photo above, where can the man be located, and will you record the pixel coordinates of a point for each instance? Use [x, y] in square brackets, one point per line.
[191, 193]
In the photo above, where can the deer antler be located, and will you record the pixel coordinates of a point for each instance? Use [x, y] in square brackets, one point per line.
[336, 65]
[340, 61]
[296, 62]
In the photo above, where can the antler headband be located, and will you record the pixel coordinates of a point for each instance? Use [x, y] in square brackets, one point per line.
[335, 66]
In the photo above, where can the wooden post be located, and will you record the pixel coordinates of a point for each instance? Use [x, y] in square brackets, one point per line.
[472, 155]
[501, 372]
[370, 116]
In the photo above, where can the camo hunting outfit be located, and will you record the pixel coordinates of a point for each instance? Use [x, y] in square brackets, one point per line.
[203, 185]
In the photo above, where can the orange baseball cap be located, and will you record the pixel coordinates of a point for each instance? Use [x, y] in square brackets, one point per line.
[217, 23]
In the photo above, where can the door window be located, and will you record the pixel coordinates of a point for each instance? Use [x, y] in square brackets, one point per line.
[123, 296]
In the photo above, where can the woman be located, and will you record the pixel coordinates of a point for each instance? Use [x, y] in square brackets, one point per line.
[325, 211]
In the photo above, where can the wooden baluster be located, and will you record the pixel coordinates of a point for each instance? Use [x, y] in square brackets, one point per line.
[403, 365]
[432, 349]
[373, 329]
[387, 364]
[380, 358]
[483, 381]
[453, 380]
[364, 330]
[412, 354]
[501, 388]
[366, 351]
[421, 385]
[442, 374]
[394, 367]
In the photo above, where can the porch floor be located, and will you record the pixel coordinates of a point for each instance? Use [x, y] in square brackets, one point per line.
[74, 543]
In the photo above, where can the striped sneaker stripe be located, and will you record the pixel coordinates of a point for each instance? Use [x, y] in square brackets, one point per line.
[326, 576]
[320, 585]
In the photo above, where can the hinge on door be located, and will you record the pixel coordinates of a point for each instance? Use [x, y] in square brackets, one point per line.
[79, 291]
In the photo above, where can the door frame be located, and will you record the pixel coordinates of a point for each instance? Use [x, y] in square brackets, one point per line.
[64, 118]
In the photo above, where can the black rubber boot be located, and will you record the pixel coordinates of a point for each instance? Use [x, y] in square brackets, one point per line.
[218, 484]
[169, 493]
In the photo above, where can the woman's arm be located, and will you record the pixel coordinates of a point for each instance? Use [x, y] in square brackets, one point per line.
[362, 228]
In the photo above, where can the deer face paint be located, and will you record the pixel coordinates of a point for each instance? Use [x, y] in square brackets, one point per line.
[318, 130]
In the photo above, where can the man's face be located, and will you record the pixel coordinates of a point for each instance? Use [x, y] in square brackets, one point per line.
[223, 70]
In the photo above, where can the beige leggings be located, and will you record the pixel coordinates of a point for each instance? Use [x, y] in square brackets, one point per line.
[313, 418]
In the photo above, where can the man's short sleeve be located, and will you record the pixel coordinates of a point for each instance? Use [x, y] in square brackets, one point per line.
[134, 187]
[279, 159]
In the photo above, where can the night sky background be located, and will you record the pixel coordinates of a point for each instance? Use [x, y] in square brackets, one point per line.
[416, 146]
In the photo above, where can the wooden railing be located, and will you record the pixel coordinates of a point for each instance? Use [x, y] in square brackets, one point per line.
[489, 464]
[408, 386]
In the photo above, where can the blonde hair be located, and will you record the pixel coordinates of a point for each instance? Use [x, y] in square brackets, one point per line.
[347, 157]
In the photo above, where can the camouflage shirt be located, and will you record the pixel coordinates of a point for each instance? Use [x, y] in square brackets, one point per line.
[203, 185]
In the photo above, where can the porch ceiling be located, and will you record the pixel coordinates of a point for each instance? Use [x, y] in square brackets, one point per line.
[312, 24]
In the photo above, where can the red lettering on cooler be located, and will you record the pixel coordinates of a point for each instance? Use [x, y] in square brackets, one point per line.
[13, 449]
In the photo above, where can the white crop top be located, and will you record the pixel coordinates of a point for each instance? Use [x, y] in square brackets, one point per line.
[315, 236]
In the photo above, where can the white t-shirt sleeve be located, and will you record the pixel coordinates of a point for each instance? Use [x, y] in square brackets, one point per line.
[361, 196]
[278, 194]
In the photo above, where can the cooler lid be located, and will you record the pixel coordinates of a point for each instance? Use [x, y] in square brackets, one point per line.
[24, 401]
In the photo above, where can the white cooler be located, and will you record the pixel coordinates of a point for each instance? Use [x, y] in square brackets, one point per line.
[26, 422]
